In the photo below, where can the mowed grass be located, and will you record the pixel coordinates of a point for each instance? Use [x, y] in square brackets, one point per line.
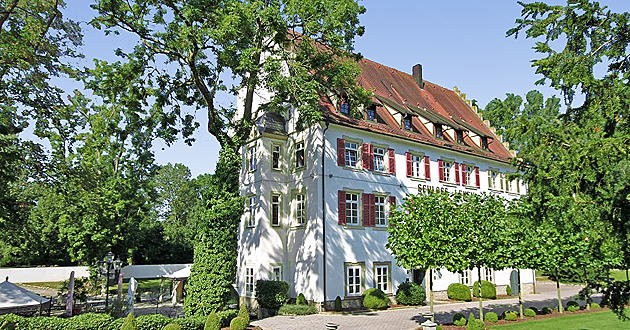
[588, 321]
[618, 275]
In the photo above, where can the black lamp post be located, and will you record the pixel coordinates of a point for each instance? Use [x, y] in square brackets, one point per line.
[105, 265]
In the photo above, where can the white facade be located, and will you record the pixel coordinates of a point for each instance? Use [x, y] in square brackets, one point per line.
[287, 212]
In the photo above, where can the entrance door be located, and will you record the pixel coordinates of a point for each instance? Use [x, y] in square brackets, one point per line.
[418, 277]
[514, 282]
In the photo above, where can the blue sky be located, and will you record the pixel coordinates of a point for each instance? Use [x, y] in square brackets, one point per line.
[458, 42]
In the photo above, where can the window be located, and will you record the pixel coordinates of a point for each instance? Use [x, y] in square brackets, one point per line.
[494, 179]
[249, 280]
[352, 209]
[448, 177]
[460, 136]
[352, 150]
[251, 155]
[379, 203]
[353, 280]
[275, 157]
[300, 209]
[439, 133]
[379, 159]
[436, 274]
[275, 210]
[371, 113]
[488, 275]
[465, 277]
[470, 175]
[276, 273]
[407, 123]
[299, 155]
[343, 106]
[381, 277]
[484, 143]
[416, 166]
[251, 221]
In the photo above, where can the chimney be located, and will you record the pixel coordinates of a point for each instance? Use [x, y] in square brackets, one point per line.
[417, 75]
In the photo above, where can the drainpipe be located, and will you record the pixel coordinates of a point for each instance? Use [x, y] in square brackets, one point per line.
[324, 204]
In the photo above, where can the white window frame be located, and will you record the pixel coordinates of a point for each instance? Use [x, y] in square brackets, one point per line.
[353, 213]
[251, 220]
[417, 166]
[351, 148]
[379, 159]
[470, 175]
[381, 210]
[276, 149]
[448, 175]
[300, 208]
[494, 180]
[249, 280]
[251, 156]
[381, 277]
[465, 277]
[354, 279]
[276, 273]
[488, 274]
[300, 147]
[276, 204]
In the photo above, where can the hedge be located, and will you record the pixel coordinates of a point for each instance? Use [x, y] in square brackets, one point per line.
[488, 290]
[458, 291]
[93, 321]
[272, 294]
[291, 309]
[410, 293]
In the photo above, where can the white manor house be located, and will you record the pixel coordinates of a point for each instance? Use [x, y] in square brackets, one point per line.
[317, 200]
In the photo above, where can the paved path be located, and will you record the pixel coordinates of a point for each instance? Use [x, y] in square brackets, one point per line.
[409, 318]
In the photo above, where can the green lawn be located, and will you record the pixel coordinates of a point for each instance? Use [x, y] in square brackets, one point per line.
[618, 275]
[591, 321]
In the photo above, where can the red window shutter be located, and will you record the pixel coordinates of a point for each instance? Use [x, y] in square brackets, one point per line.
[371, 157]
[365, 156]
[392, 204]
[365, 219]
[457, 173]
[464, 179]
[478, 182]
[341, 153]
[408, 155]
[372, 210]
[341, 198]
[392, 161]
[427, 168]
[441, 170]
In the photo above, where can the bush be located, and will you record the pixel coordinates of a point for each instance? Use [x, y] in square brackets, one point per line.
[172, 326]
[410, 293]
[272, 294]
[6, 325]
[488, 290]
[243, 313]
[238, 323]
[572, 309]
[301, 300]
[546, 310]
[290, 309]
[338, 304]
[458, 291]
[474, 324]
[439, 327]
[510, 315]
[374, 299]
[534, 309]
[572, 303]
[508, 290]
[529, 312]
[130, 323]
[492, 317]
[212, 322]
[595, 306]
[459, 319]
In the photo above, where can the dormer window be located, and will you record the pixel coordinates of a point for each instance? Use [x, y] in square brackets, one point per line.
[484, 143]
[344, 108]
[459, 134]
[439, 133]
[407, 123]
[371, 113]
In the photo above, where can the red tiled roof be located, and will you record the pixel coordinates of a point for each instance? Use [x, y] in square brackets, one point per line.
[390, 85]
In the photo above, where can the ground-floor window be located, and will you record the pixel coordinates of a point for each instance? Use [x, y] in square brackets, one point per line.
[354, 279]
[276, 273]
[488, 274]
[381, 277]
[465, 277]
[249, 280]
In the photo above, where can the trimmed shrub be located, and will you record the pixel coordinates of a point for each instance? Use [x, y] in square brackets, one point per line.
[491, 317]
[458, 291]
[573, 309]
[172, 326]
[301, 300]
[212, 322]
[338, 304]
[459, 319]
[529, 312]
[488, 290]
[572, 303]
[534, 309]
[272, 294]
[238, 323]
[595, 306]
[510, 315]
[290, 309]
[508, 290]
[475, 324]
[439, 327]
[243, 313]
[546, 310]
[151, 322]
[374, 299]
[410, 293]
[130, 323]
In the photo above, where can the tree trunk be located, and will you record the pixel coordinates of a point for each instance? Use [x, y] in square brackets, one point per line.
[588, 292]
[520, 294]
[431, 293]
[480, 293]
[560, 309]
